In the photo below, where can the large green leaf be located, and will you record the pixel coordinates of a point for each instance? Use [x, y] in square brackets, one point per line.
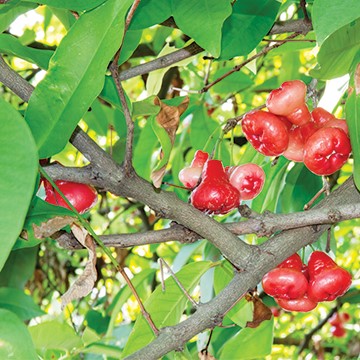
[54, 335]
[202, 20]
[300, 187]
[15, 342]
[19, 303]
[274, 182]
[9, 12]
[250, 343]
[24, 259]
[353, 121]
[329, 16]
[76, 76]
[166, 308]
[78, 5]
[247, 25]
[10, 45]
[18, 164]
[337, 52]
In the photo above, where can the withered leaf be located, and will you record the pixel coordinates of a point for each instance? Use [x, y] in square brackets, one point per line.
[85, 282]
[51, 226]
[261, 311]
[165, 126]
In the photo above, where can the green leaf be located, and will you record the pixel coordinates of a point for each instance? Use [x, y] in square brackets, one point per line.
[16, 342]
[206, 29]
[337, 52]
[18, 164]
[24, 259]
[78, 5]
[202, 20]
[76, 76]
[97, 119]
[235, 82]
[275, 175]
[149, 13]
[54, 335]
[10, 45]
[9, 12]
[242, 311]
[300, 187]
[166, 307]
[249, 22]
[330, 16]
[165, 142]
[250, 343]
[352, 109]
[103, 350]
[18, 302]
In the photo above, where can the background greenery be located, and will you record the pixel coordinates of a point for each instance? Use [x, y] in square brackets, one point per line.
[63, 48]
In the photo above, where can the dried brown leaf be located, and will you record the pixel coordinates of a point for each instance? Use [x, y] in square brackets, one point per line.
[261, 311]
[157, 176]
[51, 226]
[169, 116]
[85, 282]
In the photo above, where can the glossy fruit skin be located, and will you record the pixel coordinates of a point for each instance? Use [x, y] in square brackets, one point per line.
[302, 304]
[285, 283]
[298, 135]
[190, 175]
[323, 118]
[327, 280]
[326, 151]
[248, 179]
[83, 197]
[294, 262]
[289, 101]
[215, 194]
[265, 132]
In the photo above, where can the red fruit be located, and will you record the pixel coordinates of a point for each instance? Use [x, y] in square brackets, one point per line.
[327, 280]
[338, 331]
[326, 151]
[285, 283]
[81, 196]
[190, 175]
[265, 132]
[325, 119]
[248, 179]
[295, 150]
[294, 262]
[289, 101]
[215, 194]
[301, 304]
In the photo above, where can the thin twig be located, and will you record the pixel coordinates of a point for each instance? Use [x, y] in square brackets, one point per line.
[143, 310]
[114, 69]
[290, 40]
[303, 7]
[240, 66]
[162, 262]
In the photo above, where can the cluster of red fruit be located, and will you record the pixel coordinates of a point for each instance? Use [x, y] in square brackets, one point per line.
[218, 190]
[81, 196]
[318, 139]
[299, 287]
[337, 324]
